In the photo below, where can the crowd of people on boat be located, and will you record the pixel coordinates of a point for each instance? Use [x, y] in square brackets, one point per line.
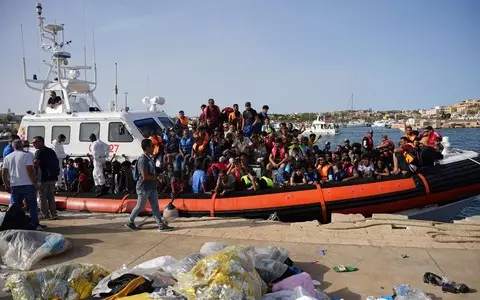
[226, 151]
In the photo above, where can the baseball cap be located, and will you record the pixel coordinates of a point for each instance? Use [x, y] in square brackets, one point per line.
[370, 131]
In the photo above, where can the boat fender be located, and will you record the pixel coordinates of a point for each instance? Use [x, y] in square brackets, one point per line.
[170, 212]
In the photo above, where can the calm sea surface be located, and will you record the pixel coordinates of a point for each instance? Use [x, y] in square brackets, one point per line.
[462, 138]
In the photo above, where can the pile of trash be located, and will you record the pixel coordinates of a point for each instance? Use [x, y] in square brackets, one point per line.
[218, 271]
[22, 249]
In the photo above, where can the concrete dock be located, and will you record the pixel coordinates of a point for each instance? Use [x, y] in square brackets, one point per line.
[377, 246]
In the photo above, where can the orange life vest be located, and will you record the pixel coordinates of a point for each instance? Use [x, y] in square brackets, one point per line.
[183, 121]
[323, 170]
[157, 142]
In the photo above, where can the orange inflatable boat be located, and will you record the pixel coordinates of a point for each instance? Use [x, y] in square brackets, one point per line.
[439, 185]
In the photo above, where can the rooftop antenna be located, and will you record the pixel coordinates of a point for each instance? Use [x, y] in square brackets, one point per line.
[126, 102]
[85, 37]
[116, 87]
[148, 85]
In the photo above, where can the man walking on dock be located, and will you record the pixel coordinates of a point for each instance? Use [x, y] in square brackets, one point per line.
[144, 173]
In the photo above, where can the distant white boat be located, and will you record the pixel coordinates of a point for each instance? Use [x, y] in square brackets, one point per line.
[322, 127]
[358, 123]
[382, 124]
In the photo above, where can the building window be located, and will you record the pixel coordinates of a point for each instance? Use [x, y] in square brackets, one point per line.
[33, 131]
[117, 132]
[147, 126]
[65, 130]
[86, 129]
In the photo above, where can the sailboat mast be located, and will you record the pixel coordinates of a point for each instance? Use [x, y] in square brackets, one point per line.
[116, 87]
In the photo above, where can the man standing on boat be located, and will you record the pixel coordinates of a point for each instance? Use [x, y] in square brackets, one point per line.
[147, 182]
[48, 170]
[57, 146]
[100, 151]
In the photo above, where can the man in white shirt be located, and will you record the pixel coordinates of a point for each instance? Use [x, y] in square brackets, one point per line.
[19, 178]
[57, 146]
[100, 152]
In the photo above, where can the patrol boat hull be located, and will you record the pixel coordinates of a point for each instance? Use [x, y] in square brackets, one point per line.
[443, 184]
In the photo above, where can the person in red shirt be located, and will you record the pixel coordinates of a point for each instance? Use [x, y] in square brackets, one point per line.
[432, 135]
[177, 184]
[203, 118]
[212, 115]
[84, 183]
[279, 155]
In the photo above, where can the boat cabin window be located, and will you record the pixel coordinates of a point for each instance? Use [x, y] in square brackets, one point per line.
[166, 122]
[33, 131]
[147, 126]
[117, 132]
[86, 129]
[65, 130]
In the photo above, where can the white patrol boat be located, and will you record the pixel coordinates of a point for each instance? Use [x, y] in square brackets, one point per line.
[322, 127]
[73, 110]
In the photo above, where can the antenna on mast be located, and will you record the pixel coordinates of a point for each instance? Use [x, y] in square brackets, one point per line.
[116, 87]
[148, 85]
[126, 102]
[85, 37]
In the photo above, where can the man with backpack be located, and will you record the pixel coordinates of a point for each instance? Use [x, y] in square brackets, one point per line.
[47, 168]
[144, 175]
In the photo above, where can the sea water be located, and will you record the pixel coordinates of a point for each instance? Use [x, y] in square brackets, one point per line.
[462, 138]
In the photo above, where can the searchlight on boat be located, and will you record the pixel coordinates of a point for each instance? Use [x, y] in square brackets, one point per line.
[152, 102]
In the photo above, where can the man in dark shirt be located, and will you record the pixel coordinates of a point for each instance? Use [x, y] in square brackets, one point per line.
[54, 100]
[250, 118]
[47, 169]
[146, 188]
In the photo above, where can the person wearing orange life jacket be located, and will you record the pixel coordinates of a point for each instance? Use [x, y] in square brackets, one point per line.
[432, 135]
[367, 142]
[404, 157]
[279, 155]
[158, 146]
[200, 147]
[235, 117]
[181, 121]
[324, 169]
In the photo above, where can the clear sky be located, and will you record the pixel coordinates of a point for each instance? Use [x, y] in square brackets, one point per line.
[295, 56]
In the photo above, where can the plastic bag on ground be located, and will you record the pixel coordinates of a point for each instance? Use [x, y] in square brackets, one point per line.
[227, 274]
[157, 263]
[270, 252]
[406, 292]
[269, 269]
[303, 280]
[66, 282]
[298, 293]
[184, 265]
[22, 249]
[211, 247]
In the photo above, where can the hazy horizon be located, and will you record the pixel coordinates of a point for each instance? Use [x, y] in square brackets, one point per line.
[294, 56]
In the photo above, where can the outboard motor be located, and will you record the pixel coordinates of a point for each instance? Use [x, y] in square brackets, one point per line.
[446, 145]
